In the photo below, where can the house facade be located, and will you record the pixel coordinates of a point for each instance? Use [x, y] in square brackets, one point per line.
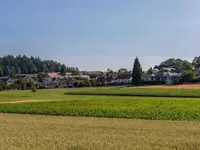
[10, 81]
[124, 77]
[197, 72]
[53, 79]
[167, 77]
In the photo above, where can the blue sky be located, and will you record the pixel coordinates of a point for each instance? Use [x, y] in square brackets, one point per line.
[101, 34]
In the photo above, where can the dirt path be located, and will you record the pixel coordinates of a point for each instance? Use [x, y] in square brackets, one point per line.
[29, 101]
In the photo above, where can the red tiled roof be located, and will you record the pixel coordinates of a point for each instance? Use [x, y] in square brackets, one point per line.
[55, 75]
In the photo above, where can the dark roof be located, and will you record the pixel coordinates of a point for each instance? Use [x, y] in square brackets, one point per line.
[167, 74]
[148, 75]
[93, 72]
[26, 75]
[125, 75]
[4, 79]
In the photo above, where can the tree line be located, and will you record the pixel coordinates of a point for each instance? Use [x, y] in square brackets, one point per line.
[10, 65]
[181, 66]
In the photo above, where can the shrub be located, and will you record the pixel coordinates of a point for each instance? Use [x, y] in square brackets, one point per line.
[196, 80]
[187, 76]
[93, 83]
[33, 90]
[105, 83]
[8, 87]
[86, 82]
[2, 86]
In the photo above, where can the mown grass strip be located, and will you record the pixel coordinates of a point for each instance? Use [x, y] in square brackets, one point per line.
[144, 92]
[138, 95]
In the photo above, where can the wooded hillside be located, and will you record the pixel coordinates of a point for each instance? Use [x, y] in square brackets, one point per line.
[30, 65]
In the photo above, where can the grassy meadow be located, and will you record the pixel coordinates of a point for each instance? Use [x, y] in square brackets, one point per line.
[15, 95]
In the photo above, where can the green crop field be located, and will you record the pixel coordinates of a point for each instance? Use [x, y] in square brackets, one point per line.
[125, 91]
[123, 107]
[153, 108]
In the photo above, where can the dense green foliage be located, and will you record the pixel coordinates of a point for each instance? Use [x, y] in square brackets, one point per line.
[137, 72]
[187, 76]
[2, 86]
[19, 84]
[153, 92]
[150, 71]
[196, 62]
[178, 64]
[10, 65]
[196, 80]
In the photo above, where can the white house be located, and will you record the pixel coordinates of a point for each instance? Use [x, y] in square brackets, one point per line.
[77, 76]
[167, 77]
[147, 77]
[52, 79]
[10, 81]
[124, 77]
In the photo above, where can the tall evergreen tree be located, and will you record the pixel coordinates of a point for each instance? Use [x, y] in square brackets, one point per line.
[63, 70]
[1, 71]
[137, 72]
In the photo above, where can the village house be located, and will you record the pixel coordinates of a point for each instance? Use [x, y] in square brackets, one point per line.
[53, 79]
[122, 70]
[77, 77]
[124, 77]
[4, 79]
[10, 81]
[81, 77]
[197, 72]
[148, 77]
[27, 77]
[167, 77]
[91, 73]
[7, 80]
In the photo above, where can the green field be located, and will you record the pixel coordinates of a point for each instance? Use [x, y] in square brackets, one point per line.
[52, 94]
[152, 108]
[125, 91]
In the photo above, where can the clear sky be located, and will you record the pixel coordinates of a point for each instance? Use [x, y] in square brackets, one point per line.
[101, 34]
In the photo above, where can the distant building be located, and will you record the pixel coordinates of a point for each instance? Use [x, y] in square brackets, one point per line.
[167, 77]
[122, 70]
[124, 77]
